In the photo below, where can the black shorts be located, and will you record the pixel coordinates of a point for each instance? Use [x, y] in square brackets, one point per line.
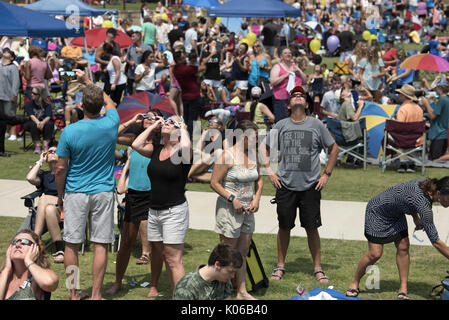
[307, 201]
[396, 237]
[437, 148]
[137, 205]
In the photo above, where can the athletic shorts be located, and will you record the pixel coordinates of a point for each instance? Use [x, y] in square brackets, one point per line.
[96, 208]
[230, 224]
[307, 201]
[242, 84]
[384, 240]
[169, 225]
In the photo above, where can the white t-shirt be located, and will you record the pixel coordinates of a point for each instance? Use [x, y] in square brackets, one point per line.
[190, 35]
[162, 33]
[111, 71]
[147, 82]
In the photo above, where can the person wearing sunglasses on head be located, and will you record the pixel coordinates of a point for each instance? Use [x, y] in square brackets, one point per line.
[135, 183]
[168, 218]
[48, 212]
[26, 273]
[40, 123]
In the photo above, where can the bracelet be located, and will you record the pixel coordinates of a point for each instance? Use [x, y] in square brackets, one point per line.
[39, 163]
[28, 266]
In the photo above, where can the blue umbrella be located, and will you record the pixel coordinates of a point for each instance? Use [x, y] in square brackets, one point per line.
[376, 115]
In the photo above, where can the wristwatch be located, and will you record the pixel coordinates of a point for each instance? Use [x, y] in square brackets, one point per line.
[327, 173]
[231, 198]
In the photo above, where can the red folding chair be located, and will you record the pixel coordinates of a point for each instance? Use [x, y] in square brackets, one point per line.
[402, 139]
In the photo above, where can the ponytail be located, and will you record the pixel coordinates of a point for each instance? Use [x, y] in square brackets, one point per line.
[252, 109]
[431, 186]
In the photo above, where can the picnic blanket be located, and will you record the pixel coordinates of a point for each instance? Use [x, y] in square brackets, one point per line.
[333, 293]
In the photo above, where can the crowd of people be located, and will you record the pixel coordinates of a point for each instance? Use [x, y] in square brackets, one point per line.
[274, 83]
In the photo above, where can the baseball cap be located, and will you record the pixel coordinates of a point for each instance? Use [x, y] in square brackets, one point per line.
[297, 89]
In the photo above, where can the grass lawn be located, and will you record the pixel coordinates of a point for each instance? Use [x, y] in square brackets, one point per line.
[339, 258]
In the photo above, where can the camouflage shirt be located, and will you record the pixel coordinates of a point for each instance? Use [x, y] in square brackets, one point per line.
[193, 287]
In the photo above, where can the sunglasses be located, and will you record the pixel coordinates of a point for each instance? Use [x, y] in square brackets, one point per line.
[213, 121]
[25, 242]
[150, 116]
[297, 94]
[173, 122]
[35, 94]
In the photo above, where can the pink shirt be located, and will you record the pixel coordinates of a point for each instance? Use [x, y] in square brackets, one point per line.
[280, 90]
[38, 68]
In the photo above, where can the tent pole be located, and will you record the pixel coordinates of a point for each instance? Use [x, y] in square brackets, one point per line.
[286, 39]
[88, 62]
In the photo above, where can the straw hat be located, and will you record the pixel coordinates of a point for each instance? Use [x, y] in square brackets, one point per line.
[408, 91]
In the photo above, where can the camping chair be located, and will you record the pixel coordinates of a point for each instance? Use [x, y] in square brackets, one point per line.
[400, 140]
[350, 136]
[30, 219]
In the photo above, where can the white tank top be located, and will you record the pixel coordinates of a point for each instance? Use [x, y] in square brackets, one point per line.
[112, 73]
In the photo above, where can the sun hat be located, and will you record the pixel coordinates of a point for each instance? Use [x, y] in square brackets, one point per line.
[408, 91]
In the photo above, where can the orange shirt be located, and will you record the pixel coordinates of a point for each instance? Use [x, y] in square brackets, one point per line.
[409, 112]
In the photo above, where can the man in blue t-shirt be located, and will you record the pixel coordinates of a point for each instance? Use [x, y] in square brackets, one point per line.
[85, 180]
[439, 121]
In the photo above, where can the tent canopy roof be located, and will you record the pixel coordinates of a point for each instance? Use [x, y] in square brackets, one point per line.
[254, 8]
[66, 7]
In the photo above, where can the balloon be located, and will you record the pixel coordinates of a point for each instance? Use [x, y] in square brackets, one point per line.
[164, 17]
[373, 31]
[218, 20]
[107, 24]
[315, 45]
[366, 35]
[332, 43]
[244, 41]
[373, 37]
[251, 37]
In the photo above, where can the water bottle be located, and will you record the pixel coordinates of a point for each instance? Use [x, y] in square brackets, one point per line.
[303, 293]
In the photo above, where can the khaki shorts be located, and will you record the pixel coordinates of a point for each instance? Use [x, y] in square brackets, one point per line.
[98, 208]
[231, 224]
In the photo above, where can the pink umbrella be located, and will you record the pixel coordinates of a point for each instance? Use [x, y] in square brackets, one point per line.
[425, 61]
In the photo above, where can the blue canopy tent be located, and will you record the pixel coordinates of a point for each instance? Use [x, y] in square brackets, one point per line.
[16, 21]
[254, 8]
[202, 3]
[63, 8]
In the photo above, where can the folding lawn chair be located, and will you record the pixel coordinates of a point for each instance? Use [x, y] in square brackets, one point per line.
[401, 140]
[350, 136]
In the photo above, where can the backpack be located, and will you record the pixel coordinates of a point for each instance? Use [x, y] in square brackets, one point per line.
[443, 293]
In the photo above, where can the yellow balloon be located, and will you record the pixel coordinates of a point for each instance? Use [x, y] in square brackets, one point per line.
[315, 45]
[164, 17]
[251, 37]
[244, 41]
[157, 16]
[218, 20]
[107, 24]
[373, 37]
[366, 35]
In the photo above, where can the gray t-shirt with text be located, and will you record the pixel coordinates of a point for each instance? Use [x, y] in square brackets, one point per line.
[300, 145]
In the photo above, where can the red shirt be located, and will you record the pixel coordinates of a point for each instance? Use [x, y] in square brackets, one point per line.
[389, 55]
[185, 75]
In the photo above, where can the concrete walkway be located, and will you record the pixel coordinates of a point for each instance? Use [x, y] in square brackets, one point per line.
[341, 219]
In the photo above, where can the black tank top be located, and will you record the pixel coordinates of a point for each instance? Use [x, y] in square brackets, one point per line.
[168, 181]
[237, 73]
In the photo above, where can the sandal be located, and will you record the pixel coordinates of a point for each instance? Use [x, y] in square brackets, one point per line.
[323, 277]
[403, 296]
[279, 276]
[144, 259]
[58, 257]
[354, 292]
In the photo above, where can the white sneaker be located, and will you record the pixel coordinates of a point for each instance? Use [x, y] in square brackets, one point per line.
[7, 135]
[12, 137]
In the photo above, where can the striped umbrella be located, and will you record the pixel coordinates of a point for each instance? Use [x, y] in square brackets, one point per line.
[375, 116]
[425, 61]
[142, 102]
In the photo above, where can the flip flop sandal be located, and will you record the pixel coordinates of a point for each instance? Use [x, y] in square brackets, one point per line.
[274, 274]
[58, 257]
[403, 296]
[144, 259]
[354, 293]
[322, 277]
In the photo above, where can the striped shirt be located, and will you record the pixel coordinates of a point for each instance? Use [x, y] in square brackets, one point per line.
[385, 213]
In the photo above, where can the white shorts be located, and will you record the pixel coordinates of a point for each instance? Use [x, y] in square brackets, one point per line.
[241, 84]
[169, 225]
[213, 83]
